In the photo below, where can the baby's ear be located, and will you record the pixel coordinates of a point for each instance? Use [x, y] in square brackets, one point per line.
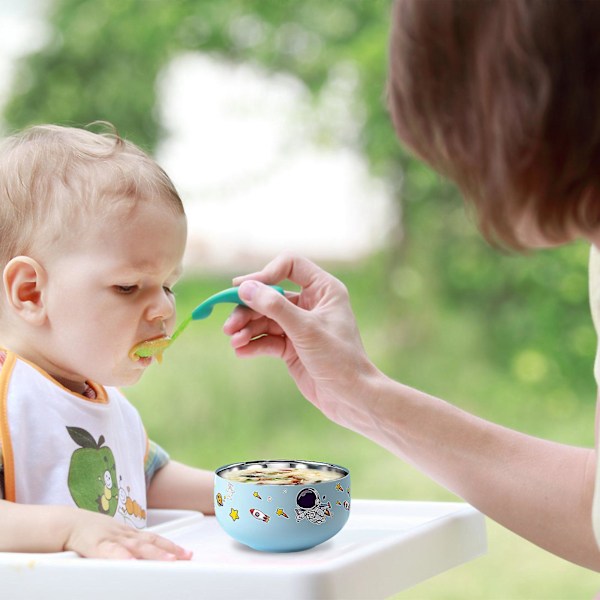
[24, 279]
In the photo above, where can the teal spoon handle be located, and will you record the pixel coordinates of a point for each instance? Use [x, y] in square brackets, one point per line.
[204, 309]
[201, 311]
[229, 295]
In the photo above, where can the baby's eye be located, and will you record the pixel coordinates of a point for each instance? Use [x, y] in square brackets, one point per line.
[125, 289]
[168, 290]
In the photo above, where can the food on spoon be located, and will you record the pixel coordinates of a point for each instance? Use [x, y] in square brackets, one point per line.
[149, 348]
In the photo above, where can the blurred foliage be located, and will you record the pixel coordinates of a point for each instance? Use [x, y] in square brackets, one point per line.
[209, 408]
[102, 61]
[509, 337]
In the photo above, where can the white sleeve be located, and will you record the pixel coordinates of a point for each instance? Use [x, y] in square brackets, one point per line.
[594, 279]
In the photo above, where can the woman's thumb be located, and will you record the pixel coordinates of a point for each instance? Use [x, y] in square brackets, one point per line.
[267, 301]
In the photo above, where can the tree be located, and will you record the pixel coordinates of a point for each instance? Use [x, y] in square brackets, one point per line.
[102, 62]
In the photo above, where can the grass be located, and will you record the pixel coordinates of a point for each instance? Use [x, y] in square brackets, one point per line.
[208, 408]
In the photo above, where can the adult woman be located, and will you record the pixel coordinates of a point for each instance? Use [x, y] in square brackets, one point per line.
[495, 95]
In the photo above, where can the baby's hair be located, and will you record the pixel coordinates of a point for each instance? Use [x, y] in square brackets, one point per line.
[501, 97]
[55, 178]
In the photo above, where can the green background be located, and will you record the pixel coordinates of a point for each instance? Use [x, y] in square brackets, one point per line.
[506, 337]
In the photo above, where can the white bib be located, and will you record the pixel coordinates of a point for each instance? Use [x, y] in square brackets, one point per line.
[62, 448]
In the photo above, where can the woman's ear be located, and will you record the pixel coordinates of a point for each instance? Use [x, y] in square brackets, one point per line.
[24, 278]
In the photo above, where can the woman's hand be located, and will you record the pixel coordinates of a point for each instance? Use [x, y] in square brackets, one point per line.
[541, 490]
[313, 331]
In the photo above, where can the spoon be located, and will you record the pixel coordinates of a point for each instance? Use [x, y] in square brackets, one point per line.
[204, 309]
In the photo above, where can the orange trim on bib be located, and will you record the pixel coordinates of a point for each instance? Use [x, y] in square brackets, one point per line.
[101, 395]
[5, 441]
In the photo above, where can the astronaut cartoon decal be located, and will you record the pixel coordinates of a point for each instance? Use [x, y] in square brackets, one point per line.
[93, 483]
[310, 506]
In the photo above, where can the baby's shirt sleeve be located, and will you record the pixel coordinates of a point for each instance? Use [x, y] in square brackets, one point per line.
[156, 458]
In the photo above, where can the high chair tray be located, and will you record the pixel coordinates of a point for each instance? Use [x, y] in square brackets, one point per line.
[386, 546]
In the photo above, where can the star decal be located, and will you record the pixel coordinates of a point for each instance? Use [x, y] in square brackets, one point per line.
[234, 514]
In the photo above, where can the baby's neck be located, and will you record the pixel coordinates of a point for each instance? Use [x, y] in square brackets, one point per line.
[79, 387]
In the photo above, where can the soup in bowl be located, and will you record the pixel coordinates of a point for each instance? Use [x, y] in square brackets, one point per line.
[282, 505]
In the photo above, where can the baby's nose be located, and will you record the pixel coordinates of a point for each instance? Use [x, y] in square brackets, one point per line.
[162, 307]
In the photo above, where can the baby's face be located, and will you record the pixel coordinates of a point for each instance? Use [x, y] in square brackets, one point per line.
[109, 290]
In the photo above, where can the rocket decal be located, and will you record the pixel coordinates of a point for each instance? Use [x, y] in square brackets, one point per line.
[257, 514]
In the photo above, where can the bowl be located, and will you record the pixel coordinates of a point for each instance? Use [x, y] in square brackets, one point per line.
[309, 503]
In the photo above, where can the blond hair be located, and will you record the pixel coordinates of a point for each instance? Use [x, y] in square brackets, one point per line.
[53, 177]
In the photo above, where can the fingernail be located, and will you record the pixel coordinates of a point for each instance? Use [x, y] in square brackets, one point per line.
[247, 290]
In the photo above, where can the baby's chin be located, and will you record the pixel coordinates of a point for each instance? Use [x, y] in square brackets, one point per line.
[127, 379]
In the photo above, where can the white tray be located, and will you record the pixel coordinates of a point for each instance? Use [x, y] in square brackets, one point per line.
[386, 546]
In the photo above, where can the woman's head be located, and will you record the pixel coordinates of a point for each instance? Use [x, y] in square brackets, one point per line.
[500, 96]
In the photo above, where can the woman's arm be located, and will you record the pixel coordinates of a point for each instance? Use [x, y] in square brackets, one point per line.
[539, 489]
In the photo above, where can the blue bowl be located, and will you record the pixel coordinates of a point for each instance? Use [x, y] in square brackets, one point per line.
[282, 518]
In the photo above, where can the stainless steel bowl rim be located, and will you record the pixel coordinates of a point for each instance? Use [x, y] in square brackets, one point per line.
[284, 464]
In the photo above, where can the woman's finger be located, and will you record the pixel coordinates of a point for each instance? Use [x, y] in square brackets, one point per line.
[256, 327]
[268, 345]
[297, 269]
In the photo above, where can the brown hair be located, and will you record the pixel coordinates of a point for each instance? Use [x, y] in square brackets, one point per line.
[502, 97]
[51, 177]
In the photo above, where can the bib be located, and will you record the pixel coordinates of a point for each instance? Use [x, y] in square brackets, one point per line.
[62, 448]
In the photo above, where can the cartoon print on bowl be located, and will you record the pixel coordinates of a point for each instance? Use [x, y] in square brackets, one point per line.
[230, 492]
[282, 516]
[311, 507]
[257, 514]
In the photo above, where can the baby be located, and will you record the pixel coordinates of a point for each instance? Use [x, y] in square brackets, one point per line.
[92, 235]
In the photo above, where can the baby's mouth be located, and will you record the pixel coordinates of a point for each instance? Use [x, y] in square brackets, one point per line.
[150, 348]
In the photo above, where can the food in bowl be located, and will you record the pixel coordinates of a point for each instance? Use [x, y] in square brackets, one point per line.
[280, 505]
[261, 475]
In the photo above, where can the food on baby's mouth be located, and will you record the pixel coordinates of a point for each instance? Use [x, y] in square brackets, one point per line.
[150, 348]
[286, 476]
